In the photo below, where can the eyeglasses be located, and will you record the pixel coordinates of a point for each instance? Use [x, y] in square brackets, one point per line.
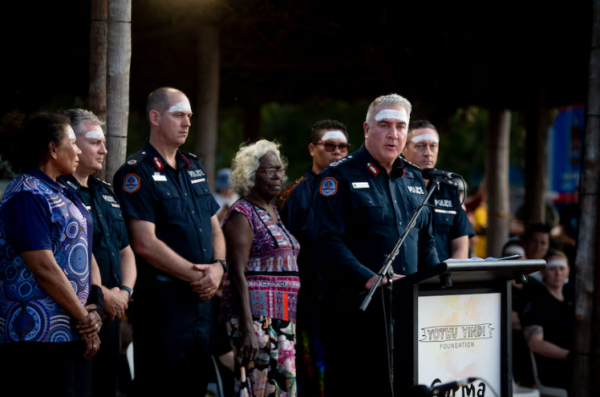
[273, 172]
[330, 147]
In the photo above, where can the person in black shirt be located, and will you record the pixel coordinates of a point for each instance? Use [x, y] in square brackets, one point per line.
[111, 248]
[549, 324]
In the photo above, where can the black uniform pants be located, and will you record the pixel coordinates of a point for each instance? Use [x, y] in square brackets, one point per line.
[45, 369]
[105, 365]
[171, 341]
[355, 351]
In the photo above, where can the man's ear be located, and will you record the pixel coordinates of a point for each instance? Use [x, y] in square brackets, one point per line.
[366, 129]
[312, 149]
[52, 148]
[154, 117]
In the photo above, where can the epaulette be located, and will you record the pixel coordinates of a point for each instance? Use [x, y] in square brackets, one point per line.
[450, 182]
[343, 160]
[192, 155]
[283, 196]
[106, 183]
[410, 164]
[136, 158]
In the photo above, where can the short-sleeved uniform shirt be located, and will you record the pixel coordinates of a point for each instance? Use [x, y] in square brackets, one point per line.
[110, 232]
[449, 219]
[178, 201]
[38, 213]
[360, 213]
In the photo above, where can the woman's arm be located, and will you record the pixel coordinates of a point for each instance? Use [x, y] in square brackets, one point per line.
[53, 280]
[534, 335]
[239, 237]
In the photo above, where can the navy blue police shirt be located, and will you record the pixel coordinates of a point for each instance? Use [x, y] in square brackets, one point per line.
[178, 201]
[360, 213]
[449, 219]
[110, 232]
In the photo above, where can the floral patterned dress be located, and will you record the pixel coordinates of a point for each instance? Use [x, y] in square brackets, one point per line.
[273, 285]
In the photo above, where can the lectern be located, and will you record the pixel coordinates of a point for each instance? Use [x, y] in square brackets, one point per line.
[453, 321]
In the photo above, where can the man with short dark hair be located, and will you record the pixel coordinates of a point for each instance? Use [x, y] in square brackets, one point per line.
[328, 144]
[450, 223]
[362, 204]
[180, 250]
[111, 248]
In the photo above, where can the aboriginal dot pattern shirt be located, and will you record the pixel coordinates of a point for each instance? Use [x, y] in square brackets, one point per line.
[272, 269]
[37, 213]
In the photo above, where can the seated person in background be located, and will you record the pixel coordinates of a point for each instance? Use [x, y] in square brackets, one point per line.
[549, 323]
[536, 242]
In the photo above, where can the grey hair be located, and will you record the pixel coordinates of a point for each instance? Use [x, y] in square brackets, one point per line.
[388, 100]
[247, 161]
[78, 116]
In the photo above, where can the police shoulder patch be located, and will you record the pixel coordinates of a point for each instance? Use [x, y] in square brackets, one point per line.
[131, 183]
[329, 186]
[136, 158]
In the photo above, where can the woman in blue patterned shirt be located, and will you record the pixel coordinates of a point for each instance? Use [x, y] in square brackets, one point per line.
[46, 330]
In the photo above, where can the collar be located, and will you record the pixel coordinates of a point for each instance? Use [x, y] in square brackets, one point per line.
[41, 175]
[373, 165]
[159, 162]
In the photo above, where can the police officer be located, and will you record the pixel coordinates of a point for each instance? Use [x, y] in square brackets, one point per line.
[180, 250]
[328, 143]
[362, 204]
[111, 247]
[451, 227]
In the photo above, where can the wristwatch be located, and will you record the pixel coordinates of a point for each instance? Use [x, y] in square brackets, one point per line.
[222, 262]
[125, 288]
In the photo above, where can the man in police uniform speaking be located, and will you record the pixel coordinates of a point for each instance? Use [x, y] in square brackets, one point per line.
[180, 250]
[362, 204]
[451, 227]
[110, 248]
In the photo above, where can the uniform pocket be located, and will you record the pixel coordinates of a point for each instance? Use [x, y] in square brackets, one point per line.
[168, 203]
[368, 209]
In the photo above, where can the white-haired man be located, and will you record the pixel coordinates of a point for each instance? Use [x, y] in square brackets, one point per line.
[362, 205]
[175, 233]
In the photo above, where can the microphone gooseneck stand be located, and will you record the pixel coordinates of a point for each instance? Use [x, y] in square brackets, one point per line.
[387, 271]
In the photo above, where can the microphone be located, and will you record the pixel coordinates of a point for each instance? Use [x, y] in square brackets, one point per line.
[430, 173]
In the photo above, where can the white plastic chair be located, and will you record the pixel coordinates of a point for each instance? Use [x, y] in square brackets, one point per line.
[129, 354]
[545, 390]
[520, 391]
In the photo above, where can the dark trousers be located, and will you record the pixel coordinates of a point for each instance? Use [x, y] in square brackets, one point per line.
[105, 365]
[171, 341]
[355, 351]
[45, 369]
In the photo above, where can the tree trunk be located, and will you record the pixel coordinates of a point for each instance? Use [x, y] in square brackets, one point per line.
[207, 105]
[119, 61]
[98, 52]
[536, 144]
[497, 181]
[587, 304]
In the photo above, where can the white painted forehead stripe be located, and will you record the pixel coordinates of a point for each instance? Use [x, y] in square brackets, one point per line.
[180, 107]
[425, 137]
[390, 114]
[71, 134]
[94, 134]
[334, 135]
[557, 262]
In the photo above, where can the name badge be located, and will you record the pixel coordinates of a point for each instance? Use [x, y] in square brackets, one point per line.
[445, 211]
[198, 180]
[159, 178]
[360, 185]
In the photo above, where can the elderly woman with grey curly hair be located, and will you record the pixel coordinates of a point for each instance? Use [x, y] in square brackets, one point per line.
[261, 288]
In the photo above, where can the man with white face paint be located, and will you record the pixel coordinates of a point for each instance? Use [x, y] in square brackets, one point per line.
[450, 224]
[111, 248]
[175, 233]
[362, 205]
[328, 144]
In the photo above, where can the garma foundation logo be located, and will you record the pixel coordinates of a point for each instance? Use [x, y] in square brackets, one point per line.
[456, 336]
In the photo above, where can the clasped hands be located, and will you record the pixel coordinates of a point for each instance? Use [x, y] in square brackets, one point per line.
[209, 280]
[89, 328]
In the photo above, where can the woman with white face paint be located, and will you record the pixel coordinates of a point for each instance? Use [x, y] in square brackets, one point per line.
[549, 323]
[46, 331]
